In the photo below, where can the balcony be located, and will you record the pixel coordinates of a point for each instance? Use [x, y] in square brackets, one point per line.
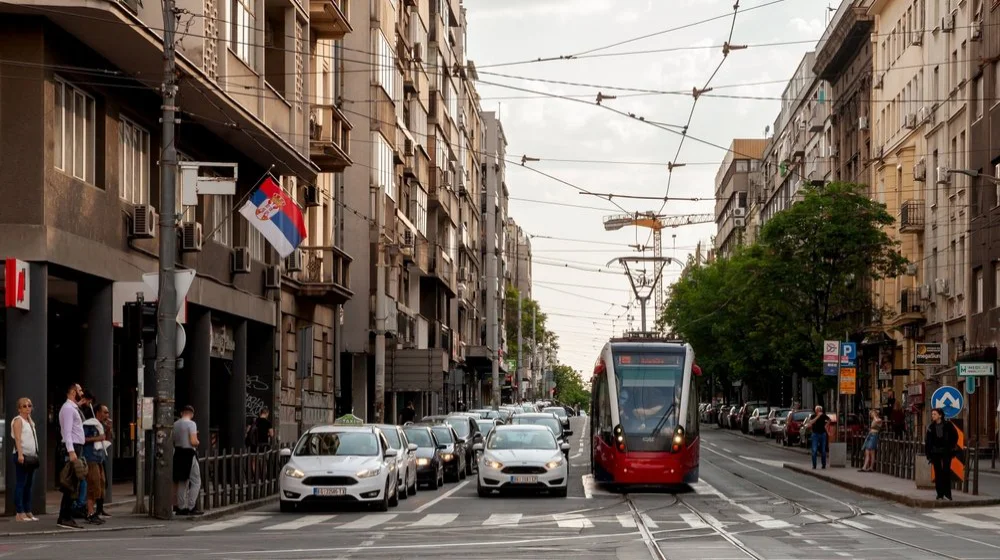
[329, 138]
[842, 40]
[325, 275]
[444, 270]
[817, 120]
[911, 216]
[440, 195]
[910, 307]
[330, 19]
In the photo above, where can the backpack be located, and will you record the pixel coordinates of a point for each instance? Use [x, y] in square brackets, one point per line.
[252, 435]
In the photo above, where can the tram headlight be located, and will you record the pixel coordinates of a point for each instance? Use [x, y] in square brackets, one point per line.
[619, 438]
[678, 439]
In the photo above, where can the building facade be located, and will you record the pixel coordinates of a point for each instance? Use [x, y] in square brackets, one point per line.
[732, 189]
[518, 250]
[493, 204]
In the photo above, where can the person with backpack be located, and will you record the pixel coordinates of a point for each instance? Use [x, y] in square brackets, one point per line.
[261, 432]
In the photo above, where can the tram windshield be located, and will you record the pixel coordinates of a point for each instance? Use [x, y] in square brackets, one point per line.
[649, 386]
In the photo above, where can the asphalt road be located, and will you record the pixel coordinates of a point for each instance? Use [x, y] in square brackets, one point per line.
[746, 506]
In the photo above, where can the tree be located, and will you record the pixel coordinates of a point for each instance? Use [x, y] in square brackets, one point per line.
[569, 386]
[762, 313]
[542, 336]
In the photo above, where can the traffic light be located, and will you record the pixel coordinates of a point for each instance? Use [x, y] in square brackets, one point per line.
[140, 324]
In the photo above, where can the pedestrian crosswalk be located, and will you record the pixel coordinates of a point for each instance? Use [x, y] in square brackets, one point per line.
[609, 520]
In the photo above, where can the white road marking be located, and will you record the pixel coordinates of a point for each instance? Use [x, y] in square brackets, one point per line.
[705, 489]
[304, 521]
[435, 520]
[576, 456]
[626, 520]
[713, 490]
[437, 500]
[572, 521]
[959, 519]
[503, 519]
[814, 517]
[913, 521]
[694, 521]
[854, 524]
[588, 485]
[228, 524]
[648, 521]
[842, 554]
[767, 462]
[892, 521]
[773, 524]
[810, 541]
[368, 521]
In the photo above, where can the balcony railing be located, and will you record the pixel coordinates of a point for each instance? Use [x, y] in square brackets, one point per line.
[325, 274]
[330, 19]
[817, 120]
[330, 138]
[909, 301]
[444, 269]
[911, 216]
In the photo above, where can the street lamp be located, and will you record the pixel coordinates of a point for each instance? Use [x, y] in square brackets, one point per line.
[975, 174]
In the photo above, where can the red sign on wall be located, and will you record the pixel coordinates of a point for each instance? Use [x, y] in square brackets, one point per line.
[16, 288]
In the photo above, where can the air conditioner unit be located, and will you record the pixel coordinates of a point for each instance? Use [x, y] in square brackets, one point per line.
[461, 120]
[831, 151]
[878, 152]
[920, 171]
[941, 287]
[408, 147]
[191, 237]
[272, 278]
[418, 52]
[740, 212]
[948, 21]
[144, 222]
[925, 292]
[408, 237]
[293, 262]
[918, 38]
[976, 33]
[241, 260]
[911, 269]
[312, 195]
[943, 175]
[922, 115]
[863, 123]
[910, 120]
[877, 84]
[739, 222]
[463, 273]
[461, 290]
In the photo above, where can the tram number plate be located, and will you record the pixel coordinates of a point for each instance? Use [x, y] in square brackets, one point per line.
[329, 491]
[524, 479]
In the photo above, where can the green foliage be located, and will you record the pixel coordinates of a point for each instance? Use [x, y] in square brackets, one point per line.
[569, 387]
[543, 336]
[763, 312]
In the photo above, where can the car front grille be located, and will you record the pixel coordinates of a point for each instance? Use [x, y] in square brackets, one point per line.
[524, 470]
[329, 481]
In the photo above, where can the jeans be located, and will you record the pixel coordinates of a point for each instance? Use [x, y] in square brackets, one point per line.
[187, 492]
[67, 502]
[819, 444]
[81, 500]
[942, 475]
[24, 479]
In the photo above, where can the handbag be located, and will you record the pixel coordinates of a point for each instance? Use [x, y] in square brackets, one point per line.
[31, 462]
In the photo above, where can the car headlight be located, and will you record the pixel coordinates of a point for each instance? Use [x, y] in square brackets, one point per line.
[447, 456]
[494, 464]
[553, 464]
[368, 473]
[423, 461]
[293, 472]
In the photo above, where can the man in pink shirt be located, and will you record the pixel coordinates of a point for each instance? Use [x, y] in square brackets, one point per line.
[71, 428]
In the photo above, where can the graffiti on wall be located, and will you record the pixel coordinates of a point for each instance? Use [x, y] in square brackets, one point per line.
[258, 391]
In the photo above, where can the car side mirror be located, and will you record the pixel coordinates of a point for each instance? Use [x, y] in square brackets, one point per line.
[285, 452]
[477, 447]
[390, 452]
[564, 447]
[461, 441]
[442, 447]
[411, 447]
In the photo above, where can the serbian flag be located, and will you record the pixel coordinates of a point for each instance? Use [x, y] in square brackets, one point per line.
[276, 215]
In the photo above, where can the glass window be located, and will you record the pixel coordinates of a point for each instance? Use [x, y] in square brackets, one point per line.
[75, 138]
[443, 434]
[383, 167]
[421, 213]
[384, 64]
[649, 394]
[461, 426]
[552, 424]
[392, 436]
[134, 159]
[255, 241]
[521, 439]
[978, 102]
[420, 437]
[327, 444]
[222, 207]
[979, 291]
[244, 24]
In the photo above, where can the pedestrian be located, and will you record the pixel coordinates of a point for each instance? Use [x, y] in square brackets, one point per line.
[408, 413]
[86, 405]
[871, 442]
[898, 421]
[71, 429]
[104, 416]
[940, 444]
[816, 423]
[26, 462]
[93, 452]
[261, 431]
[187, 472]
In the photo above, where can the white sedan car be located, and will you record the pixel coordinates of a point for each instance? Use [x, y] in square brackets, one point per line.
[340, 464]
[406, 458]
[522, 457]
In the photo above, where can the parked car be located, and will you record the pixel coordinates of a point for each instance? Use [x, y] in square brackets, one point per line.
[775, 421]
[560, 413]
[791, 435]
[758, 419]
[733, 418]
[746, 412]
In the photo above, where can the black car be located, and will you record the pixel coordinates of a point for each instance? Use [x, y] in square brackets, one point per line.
[466, 427]
[453, 455]
[430, 467]
[549, 421]
[559, 413]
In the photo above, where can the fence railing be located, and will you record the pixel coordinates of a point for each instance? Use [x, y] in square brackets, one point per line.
[235, 476]
[898, 457]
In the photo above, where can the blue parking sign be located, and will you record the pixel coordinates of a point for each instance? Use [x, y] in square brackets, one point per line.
[848, 354]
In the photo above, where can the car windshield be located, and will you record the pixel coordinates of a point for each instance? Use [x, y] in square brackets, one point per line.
[420, 437]
[461, 425]
[327, 444]
[782, 413]
[800, 416]
[392, 436]
[649, 386]
[552, 424]
[528, 408]
[443, 434]
[484, 425]
[557, 410]
[521, 439]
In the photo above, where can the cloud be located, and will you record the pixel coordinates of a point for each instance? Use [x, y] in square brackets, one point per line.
[812, 28]
[523, 9]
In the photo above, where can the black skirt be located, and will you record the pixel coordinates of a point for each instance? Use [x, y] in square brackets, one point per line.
[183, 458]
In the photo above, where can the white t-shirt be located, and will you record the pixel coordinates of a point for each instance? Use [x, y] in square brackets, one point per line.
[29, 441]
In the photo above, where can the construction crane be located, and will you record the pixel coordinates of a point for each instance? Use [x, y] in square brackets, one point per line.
[657, 223]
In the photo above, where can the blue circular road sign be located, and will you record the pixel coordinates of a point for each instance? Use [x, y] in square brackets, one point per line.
[948, 399]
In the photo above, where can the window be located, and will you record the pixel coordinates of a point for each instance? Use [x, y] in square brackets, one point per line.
[996, 285]
[75, 114]
[451, 99]
[383, 167]
[244, 28]
[133, 143]
[979, 292]
[978, 101]
[384, 63]
[996, 173]
[255, 242]
[996, 83]
[222, 207]
[421, 213]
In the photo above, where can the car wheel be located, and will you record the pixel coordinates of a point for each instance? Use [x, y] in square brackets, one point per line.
[287, 507]
[433, 485]
[560, 492]
[404, 494]
[483, 492]
[394, 499]
[383, 504]
[412, 490]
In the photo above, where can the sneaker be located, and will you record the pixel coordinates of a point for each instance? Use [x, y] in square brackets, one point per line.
[95, 520]
[104, 514]
[184, 511]
[68, 524]
[195, 512]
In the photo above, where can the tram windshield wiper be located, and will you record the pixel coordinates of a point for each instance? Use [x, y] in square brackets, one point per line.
[663, 420]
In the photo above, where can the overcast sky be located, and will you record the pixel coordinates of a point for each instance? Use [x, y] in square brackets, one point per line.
[581, 303]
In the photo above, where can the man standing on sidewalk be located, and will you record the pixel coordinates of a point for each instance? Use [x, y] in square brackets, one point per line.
[817, 425]
[187, 472]
[71, 428]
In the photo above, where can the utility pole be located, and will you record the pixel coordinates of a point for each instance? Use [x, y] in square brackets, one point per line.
[492, 303]
[166, 317]
[535, 378]
[519, 373]
[379, 307]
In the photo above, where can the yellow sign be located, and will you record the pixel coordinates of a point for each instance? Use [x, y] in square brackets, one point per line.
[848, 381]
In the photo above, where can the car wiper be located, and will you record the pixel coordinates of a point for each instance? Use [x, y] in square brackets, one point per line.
[663, 420]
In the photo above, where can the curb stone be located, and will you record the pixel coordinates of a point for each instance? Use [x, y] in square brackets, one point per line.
[84, 530]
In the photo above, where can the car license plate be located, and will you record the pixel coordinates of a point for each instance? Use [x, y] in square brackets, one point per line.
[329, 491]
[524, 479]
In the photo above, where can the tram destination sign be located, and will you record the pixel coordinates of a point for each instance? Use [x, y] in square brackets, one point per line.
[643, 359]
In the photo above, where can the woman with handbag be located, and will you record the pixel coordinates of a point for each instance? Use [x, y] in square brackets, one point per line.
[22, 429]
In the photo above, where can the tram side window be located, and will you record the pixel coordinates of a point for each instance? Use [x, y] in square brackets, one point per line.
[604, 422]
[692, 411]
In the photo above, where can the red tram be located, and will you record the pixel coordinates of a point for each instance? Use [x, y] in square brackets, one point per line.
[644, 413]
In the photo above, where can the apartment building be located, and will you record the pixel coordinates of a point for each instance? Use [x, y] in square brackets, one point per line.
[518, 251]
[732, 188]
[494, 205]
[80, 155]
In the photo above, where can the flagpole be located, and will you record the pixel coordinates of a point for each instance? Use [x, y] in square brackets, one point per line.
[243, 199]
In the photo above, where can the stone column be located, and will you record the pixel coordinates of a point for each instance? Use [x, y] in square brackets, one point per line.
[237, 391]
[98, 350]
[200, 368]
[27, 376]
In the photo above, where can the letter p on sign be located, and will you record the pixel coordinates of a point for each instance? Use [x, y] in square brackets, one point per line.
[17, 291]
